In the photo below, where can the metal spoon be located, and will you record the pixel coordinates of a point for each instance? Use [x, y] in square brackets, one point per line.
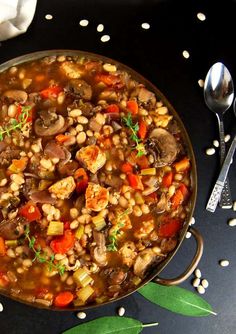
[219, 95]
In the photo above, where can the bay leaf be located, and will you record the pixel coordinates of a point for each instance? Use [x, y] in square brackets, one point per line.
[176, 299]
[109, 325]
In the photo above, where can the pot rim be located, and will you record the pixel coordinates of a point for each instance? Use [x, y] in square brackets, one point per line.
[188, 146]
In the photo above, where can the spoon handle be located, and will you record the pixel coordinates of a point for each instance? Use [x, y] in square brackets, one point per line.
[225, 199]
[218, 188]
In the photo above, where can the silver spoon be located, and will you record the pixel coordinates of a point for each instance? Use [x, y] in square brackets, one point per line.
[219, 95]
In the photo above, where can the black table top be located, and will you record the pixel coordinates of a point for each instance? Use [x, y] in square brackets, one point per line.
[157, 54]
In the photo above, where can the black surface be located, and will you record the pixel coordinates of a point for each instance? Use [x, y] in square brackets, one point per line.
[157, 54]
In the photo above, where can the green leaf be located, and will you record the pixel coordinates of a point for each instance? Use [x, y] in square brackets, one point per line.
[109, 325]
[177, 300]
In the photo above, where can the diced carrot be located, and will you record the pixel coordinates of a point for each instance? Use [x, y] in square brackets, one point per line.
[169, 228]
[39, 77]
[51, 92]
[113, 108]
[142, 131]
[132, 106]
[64, 243]
[107, 143]
[184, 189]
[18, 166]
[2, 247]
[167, 179]
[81, 178]
[142, 162]
[62, 138]
[135, 181]
[4, 280]
[63, 299]
[177, 199]
[30, 211]
[107, 79]
[182, 165]
[126, 168]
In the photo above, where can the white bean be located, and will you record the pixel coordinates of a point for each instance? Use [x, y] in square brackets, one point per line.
[192, 221]
[210, 151]
[205, 283]
[216, 143]
[81, 315]
[1, 307]
[83, 23]
[224, 263]
[81, 137]
[12, 110]
[198, 273]
[121, 311]
[232, 222]
[188, 235]
[234, 206]
[105, 38]
[100, 27]
[196, 282]
[201, 289]
[227, 138]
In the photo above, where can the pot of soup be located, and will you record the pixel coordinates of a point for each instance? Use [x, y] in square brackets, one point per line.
[97, 181]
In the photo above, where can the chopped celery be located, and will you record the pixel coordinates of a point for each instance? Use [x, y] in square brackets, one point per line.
[11, 243]
[55, 228]
[136, 280]
[81, 277]
[44, 184]
[138, 198]
[148, 171]
[99, 222]
[101, 299]
[79, 232]
[84, 293]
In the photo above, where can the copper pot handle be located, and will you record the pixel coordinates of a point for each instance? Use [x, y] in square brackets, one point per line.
[191, 267]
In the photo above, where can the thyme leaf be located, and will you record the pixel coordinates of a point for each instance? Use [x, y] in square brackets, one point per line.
[42, 257]
[15, 124]
[128, 121]
[112, 247]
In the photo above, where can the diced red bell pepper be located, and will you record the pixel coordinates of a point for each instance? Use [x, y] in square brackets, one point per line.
[126, 168]
[19, 112]
[135, 181]
[63, 299]
[30, 211]
[184, 189]
[142, 131]
[64, 243]
[51, 92]
[169, 228]
[113, 108]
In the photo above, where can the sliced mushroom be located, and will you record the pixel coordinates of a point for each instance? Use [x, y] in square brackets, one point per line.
[99, 252]
[41, 129]
[12, 229]
[143, 261]
[161, 205]
[164, 145]
[16, 95]
[144, 96]
[42, 197]
[54, 150]
[117, 276]
[80, 88]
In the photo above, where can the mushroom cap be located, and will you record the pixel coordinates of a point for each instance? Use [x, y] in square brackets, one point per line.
[16, 95]
[54, 128]
[164, 143]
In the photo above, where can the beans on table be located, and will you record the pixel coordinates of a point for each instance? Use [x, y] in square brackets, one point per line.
[94, 181]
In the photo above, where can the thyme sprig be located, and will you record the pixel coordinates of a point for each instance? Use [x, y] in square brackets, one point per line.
[112, 247]
[42, 257]
[15, 124]
[134, 127]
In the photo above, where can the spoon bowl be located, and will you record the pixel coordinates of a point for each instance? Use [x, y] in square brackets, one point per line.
[219, 95]
[218, 89]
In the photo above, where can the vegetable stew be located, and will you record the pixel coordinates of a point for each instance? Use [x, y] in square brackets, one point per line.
[94, 181]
